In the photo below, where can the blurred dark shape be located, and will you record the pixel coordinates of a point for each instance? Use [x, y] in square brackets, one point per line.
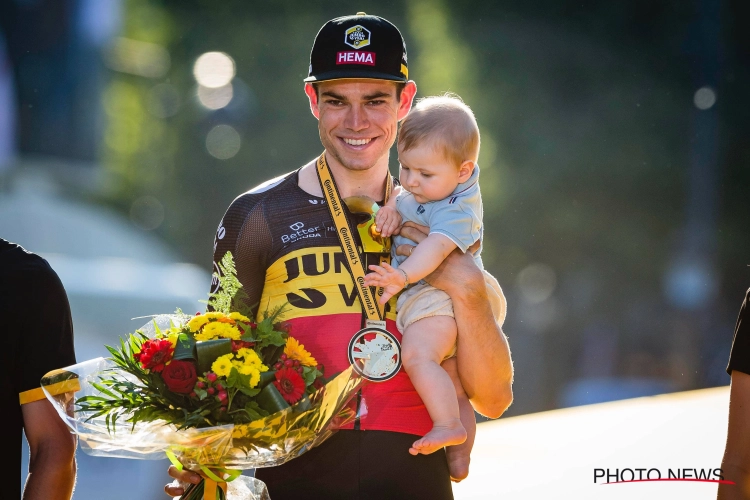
[53, 47]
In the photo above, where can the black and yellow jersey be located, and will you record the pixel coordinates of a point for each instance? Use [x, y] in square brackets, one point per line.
[286, 250]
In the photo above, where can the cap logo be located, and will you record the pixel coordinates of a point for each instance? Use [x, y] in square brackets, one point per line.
[357, 37]
[353, 57]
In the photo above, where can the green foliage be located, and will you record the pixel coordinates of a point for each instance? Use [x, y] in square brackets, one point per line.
[230, 295]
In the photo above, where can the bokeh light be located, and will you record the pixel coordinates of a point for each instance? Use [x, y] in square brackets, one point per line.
[147, 213]
[223, 142]
[704, 98]
[214, 69]
[215, 98]
[537, 282]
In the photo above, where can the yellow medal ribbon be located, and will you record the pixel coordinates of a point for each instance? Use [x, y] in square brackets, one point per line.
[373, 310]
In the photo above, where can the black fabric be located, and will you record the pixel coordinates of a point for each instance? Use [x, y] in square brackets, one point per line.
[361, 465]
[358, 46]
[739, 359]
[38, 336]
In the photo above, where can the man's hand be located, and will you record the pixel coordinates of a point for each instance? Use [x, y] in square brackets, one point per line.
[176, 488]
[392, 280]
[387, 220]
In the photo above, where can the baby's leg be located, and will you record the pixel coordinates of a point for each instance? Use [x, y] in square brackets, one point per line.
[425, 344]
[460, 455]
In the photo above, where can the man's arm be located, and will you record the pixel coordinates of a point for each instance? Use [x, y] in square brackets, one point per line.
[736, 462]
[52, 466]
[484, 363]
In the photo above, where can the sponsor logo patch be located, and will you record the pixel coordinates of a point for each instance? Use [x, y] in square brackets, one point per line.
[300, 232]
[357, 37]
[352, 57]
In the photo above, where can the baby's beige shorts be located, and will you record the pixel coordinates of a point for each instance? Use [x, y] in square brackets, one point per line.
[421, 301]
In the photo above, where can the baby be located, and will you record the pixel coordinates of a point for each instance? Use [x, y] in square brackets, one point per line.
[438, 146]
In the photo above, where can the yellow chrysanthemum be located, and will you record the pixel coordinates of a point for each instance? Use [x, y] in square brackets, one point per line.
[239, 317]
[222, 366]
[295, 350]
[251, 358]
[218, 330]
[252, 371]
[197, 322]
[214, 315]
[172, 338]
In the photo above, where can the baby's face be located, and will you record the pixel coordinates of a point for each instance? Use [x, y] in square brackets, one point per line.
[428, 175]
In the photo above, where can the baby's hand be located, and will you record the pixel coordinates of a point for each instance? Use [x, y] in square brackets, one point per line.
[387, 219]
[392, 280]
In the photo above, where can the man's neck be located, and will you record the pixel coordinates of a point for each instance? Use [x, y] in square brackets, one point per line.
[370, 182]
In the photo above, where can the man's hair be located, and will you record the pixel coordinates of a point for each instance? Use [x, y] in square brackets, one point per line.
[446, 123]
[399, 88]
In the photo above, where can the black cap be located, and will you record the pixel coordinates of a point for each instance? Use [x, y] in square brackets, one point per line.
[359, 46]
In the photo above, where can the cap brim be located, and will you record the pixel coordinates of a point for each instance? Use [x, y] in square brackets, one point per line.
[354, 74]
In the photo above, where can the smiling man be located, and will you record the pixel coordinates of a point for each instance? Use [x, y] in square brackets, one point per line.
[287, 250]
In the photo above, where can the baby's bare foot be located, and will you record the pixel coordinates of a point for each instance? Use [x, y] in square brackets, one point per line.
[438, 437]
[458, 462]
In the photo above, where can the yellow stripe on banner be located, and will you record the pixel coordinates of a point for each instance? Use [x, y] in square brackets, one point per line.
[313, 282]
[37, 394]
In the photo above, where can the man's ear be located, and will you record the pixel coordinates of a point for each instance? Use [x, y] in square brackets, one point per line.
[407, 97]
[312, 95]
[465, 171]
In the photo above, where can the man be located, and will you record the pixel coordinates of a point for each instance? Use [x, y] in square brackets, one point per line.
[736, 462]
[286, 249]
[38, 338]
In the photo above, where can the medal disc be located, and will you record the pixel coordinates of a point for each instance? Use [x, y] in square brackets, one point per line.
[375, 354]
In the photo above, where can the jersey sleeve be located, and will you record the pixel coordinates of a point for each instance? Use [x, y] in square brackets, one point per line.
[739, 359]
[245, 232]
[47, 342]
[458, 222]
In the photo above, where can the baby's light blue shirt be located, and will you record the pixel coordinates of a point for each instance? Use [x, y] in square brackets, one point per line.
[459, 217]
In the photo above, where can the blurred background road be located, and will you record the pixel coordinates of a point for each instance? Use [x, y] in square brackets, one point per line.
[614, 163]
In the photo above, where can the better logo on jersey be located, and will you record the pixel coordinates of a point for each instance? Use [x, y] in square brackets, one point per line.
[357, 37]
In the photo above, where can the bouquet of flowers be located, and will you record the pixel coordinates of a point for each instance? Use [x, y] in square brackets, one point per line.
[217, 392]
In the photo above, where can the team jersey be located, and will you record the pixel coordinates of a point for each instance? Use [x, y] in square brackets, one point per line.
[286, 250]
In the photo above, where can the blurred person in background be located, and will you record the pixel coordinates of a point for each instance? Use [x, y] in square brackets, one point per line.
[736, 462]
[358, 98]
[39, 338]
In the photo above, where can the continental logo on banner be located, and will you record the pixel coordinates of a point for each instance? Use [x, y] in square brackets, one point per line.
[314, 282]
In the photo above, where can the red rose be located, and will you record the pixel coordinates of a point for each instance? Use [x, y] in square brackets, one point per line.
[290, 384]
[180, 376]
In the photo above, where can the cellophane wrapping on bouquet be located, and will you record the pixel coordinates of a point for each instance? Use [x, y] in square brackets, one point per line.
[217, 393]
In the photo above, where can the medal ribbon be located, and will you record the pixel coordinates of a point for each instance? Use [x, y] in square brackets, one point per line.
[370, 306]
